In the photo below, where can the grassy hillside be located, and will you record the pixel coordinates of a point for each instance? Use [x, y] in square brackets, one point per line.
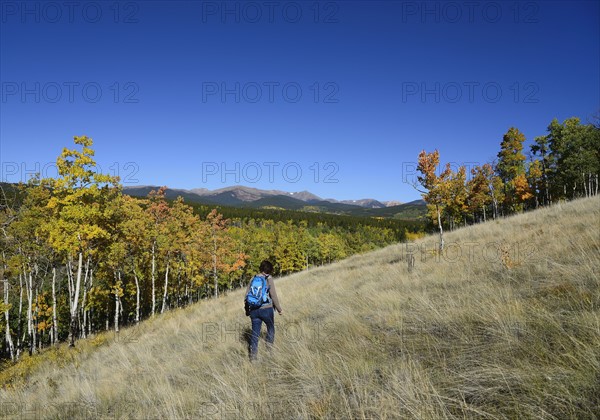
[505, 324]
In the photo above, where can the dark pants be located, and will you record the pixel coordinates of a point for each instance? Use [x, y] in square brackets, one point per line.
[258, 316]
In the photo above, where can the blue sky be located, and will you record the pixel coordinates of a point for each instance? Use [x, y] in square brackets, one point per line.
[337, 98]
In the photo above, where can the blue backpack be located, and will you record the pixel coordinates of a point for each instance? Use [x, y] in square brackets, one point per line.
[258, 294]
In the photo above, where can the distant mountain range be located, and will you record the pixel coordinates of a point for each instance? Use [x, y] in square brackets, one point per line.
[241, 196]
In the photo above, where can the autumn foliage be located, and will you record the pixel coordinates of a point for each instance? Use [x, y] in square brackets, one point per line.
[77, 256]
[564, 164]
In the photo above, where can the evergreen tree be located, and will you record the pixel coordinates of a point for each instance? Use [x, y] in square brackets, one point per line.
[511, 166]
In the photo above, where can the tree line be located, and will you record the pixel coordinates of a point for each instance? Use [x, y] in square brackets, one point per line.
[564, 164]
[78, 256]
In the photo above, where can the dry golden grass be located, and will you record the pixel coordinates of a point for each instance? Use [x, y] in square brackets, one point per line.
[505, 324]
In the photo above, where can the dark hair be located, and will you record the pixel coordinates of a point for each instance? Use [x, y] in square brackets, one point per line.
[266, 267]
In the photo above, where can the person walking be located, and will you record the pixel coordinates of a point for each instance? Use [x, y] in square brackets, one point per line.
[261, 298]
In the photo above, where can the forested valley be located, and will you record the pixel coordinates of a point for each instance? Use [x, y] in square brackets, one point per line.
[78, 256]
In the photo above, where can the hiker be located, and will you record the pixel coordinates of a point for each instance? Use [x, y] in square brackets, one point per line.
[261, 297]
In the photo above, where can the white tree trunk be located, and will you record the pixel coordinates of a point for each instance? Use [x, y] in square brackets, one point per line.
[75, 302]
[117, 301]
[54, 317]
[116, 313]
[70, 282]
[89, 311]
[107, 316]
[85, 290]
[35, 323]
[9, 340]
[19, 323]
[137, 297]
[164, 302]
[153, 278]
[439, 217]
[29, 285]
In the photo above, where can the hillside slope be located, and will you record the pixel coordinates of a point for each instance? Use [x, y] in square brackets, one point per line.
[505, 324]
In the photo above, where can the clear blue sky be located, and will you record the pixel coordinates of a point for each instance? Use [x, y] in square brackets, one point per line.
[186, 93]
